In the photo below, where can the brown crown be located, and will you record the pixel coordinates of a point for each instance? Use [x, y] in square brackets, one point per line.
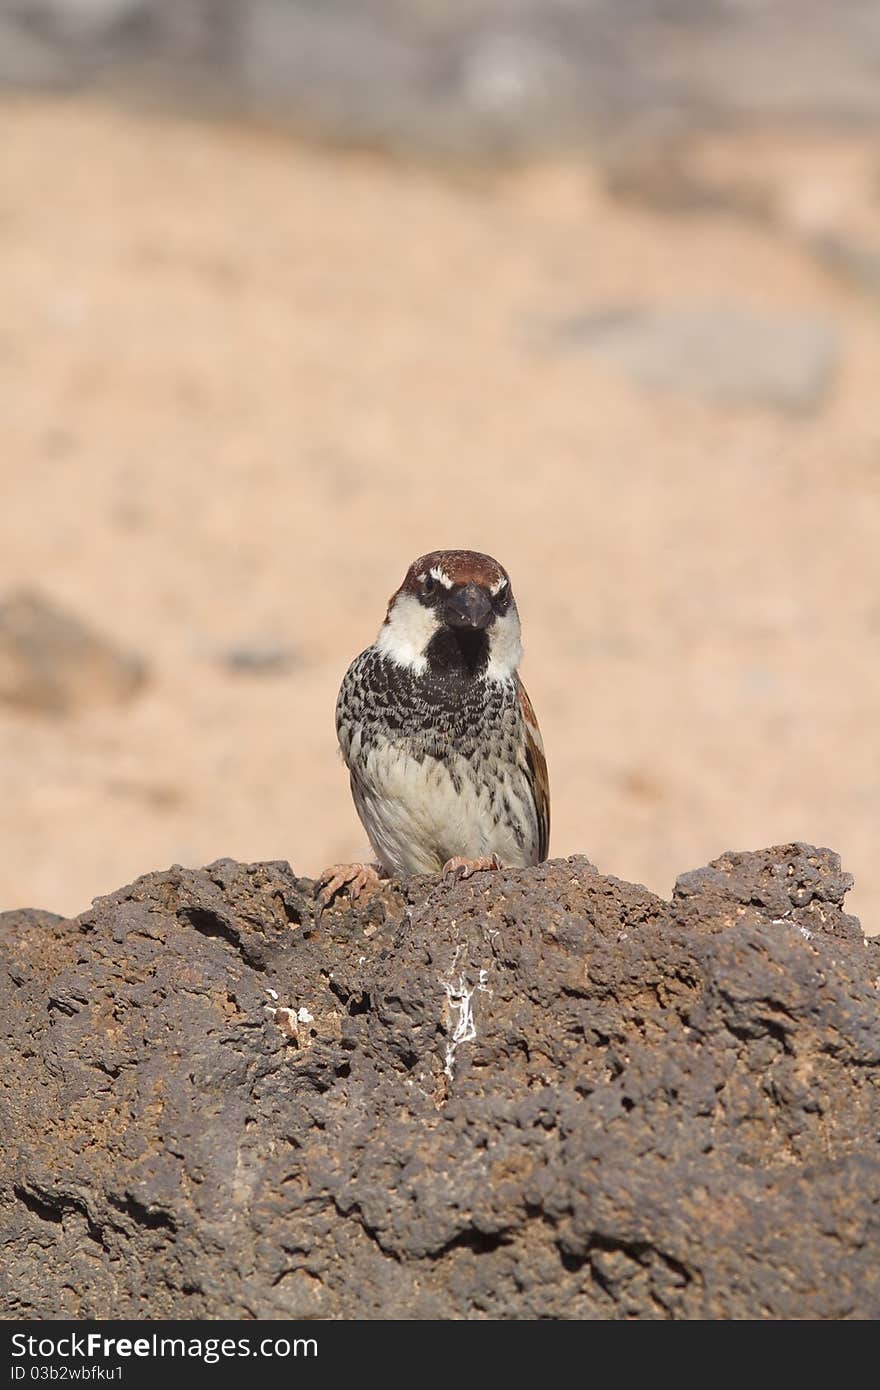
[460, 566]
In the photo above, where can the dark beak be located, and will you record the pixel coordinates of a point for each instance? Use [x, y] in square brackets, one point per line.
[469, 606]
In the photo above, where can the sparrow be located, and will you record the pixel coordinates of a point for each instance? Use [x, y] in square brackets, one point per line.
[443, 749]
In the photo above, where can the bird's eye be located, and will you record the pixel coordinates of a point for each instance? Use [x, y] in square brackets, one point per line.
[502, 598]
[429, 584]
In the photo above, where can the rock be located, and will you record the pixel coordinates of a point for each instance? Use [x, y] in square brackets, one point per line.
[27, 917]
[856, 264]
[81, 20]
[537, 1093]
[51, 663]
[254, 658]
[723, 354]
[476, 77]
[27, 61]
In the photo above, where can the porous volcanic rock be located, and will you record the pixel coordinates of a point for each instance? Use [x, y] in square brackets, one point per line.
[536, 1093]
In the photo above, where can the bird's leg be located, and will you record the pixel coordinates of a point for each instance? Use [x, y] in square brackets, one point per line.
[358, 877]
[459, 867]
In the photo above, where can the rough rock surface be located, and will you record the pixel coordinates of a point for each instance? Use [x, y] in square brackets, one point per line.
[539, 1093]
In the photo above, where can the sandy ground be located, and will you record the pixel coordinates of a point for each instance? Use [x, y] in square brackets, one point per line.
[244, 383]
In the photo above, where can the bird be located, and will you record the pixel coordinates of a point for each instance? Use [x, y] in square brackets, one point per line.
[444, 753]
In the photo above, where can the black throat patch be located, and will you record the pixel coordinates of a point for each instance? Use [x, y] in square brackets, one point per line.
[461, 650]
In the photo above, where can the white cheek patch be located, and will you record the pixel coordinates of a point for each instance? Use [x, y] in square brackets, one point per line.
[405, 635]
[505, 647]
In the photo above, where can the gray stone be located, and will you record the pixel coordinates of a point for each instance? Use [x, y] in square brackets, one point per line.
[79, 20]
[853, 261]
[253, 658]
[726, 354]
[26, 60]
[468, 76]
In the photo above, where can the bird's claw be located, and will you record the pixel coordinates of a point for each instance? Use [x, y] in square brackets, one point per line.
[357, 877]
[459, 867]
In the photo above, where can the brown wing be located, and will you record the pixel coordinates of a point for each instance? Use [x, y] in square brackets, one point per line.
[537, 765]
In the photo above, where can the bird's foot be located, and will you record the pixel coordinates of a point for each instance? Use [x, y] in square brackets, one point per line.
[459, 867]
[357, 877]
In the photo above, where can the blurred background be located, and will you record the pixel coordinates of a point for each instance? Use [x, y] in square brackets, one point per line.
[293, 292]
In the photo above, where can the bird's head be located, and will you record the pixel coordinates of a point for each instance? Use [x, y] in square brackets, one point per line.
[454, 612]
